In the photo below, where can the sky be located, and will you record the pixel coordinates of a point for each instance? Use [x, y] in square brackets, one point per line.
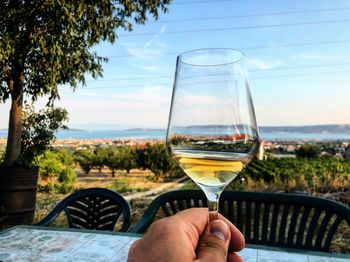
[297, 55]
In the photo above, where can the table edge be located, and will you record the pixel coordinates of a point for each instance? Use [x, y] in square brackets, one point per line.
[128, 234]
[77, 230]
[299, 251]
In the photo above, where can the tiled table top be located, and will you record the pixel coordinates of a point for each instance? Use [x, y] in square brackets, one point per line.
[25, 243]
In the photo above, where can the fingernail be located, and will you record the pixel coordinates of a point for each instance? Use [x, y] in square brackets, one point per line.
[219, 229]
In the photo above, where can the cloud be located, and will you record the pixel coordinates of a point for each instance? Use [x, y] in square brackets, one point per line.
[152, 49]
[154, 95]
[162, 30]
[148, 51]
[263, 64]
[310, 56]
[148, 107]
[148, 68]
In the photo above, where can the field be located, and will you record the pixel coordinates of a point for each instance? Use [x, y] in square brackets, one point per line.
[140, 190]
[143, 172]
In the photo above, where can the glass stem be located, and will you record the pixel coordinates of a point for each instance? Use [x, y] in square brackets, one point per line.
[213, 206]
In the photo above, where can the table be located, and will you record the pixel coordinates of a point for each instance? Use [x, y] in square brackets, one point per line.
[32, 243]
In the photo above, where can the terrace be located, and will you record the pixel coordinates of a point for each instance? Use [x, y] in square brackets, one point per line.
[90, 192]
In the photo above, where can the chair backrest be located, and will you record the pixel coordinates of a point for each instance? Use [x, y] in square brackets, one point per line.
[273, 219]
[92, 208]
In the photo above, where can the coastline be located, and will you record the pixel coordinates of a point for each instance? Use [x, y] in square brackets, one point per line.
[136, 140]
[77, 142]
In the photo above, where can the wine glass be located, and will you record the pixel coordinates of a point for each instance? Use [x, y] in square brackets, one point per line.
[212, 132]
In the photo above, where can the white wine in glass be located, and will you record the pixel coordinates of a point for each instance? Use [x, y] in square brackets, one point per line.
[212, 132]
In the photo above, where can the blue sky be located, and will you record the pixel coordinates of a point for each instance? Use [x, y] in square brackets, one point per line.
[297, 55]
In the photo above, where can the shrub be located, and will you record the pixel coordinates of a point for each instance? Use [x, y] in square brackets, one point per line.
[308, 151]
[46, 188]
[65, 157]
[67, 176]
[64, 188]
[49, 164]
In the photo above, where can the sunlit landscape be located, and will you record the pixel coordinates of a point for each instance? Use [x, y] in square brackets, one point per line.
[91, 110]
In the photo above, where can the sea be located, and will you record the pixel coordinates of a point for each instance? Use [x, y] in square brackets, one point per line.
[161, 134]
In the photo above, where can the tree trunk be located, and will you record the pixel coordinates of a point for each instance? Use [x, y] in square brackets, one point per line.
[13, 147]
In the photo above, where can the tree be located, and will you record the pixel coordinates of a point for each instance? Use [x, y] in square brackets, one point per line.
[113, 159]
[161, 163]
[99, 158]
[127, 158]
[143, 156]
[308, 151]
[84, 159]
[47, 43]
[39, 131]
[155, 158]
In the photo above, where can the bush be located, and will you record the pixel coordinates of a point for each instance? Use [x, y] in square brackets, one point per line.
[67, 176]
[47, 188]
[308, 151]
[65, 157]
[49, 164]
[64, 188]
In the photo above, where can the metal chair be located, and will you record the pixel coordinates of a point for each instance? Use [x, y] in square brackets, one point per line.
[92, 208]
[273, 219]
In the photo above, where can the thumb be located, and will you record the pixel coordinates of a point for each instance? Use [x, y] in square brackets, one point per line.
[215, 242]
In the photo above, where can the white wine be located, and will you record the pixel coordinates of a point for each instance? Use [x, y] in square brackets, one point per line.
[216, 172]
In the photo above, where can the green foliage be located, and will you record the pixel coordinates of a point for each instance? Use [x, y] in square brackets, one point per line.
[65, 157]
[39, 131]
[126, 158]
[84, 159]
[67, 176]
[50, 41]
[119, 158]
[153, 157]
[112, 159]
[64, 188]
[157, 159]
[56, 164]
[312, 174]
[308, 151]
[99, 158]
[161, 161]
[49, 164]
[143, 156]
[46, 188]
[44, 44]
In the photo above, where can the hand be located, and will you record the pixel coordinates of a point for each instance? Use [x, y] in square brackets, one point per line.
[186, 236]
